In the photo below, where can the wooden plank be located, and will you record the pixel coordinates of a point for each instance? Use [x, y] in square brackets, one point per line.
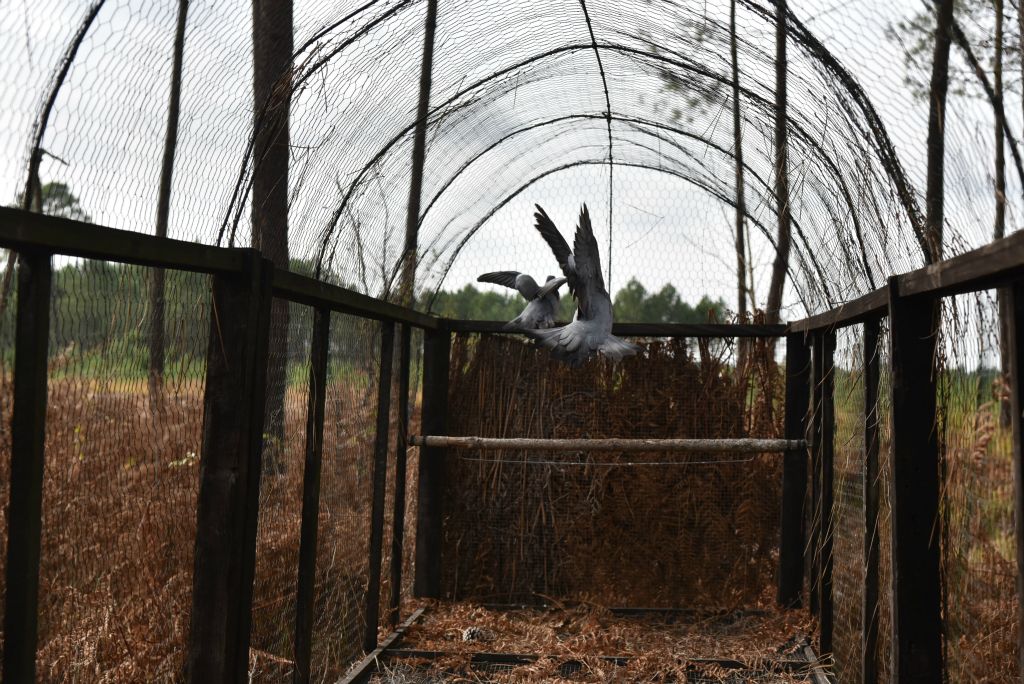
[398, 516]
[868, 306]
[733, 446]
[431, 472]
[828, 439]
[368, 665]
[870, 615]
[380, 466]
[716, 330]
[21, 230]
[793, 537]
[305, 290]
[817, 376]
[917, 591]
[1015, 306]
[315, 407]
[997, 263]
[229, 474]
[28, 437]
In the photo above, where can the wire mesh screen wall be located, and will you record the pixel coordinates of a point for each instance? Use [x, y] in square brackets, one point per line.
[848, 515]
[120, 480]
[652, 529]
[979, 550]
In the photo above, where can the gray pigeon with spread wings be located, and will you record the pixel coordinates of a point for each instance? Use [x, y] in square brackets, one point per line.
[541, 308]
[591, 330]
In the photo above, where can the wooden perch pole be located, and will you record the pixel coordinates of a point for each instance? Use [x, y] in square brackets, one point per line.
[736, 446]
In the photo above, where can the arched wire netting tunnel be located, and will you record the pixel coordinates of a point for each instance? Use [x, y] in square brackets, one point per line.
[217, 417]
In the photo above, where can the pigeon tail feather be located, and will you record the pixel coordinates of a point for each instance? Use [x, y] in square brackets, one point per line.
[616, 348]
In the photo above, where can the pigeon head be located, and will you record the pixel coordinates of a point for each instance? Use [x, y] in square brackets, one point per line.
[549, 279]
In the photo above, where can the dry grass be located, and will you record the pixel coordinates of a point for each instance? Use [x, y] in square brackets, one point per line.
[120, 488]
[521, 526]
[659, 647]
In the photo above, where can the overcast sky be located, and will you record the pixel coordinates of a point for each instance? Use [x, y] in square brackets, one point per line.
[109, 121]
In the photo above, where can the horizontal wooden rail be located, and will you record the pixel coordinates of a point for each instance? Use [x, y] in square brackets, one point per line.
[367, 666]
[644, 329]
[735, 446]
[306, 290]
[27, 230]
[993, 265]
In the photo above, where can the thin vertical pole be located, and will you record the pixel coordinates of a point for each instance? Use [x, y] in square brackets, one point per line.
[430, 478]
[305, 586]
[28, 437]
[1015, 294]
[827, 455]
[869, 650]
[229, 474]
[380, 466]
[793, 537]
[917, 590]
[936, 142]
[398, 519]
[817, 378]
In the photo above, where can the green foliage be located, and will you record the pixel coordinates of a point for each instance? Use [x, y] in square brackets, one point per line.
[59, 200]
[916, 36]
[633, 304]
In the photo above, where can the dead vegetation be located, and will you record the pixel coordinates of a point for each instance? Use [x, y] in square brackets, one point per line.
[652, 529]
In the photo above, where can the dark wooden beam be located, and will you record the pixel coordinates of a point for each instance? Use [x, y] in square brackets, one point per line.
[305, 290]
[431, 473]
[380, 467]
[362, 672]
[865, 307]
[642, 329]
[229, 474]
[917, 590]
[1015, 306]
[398, 515]
[793, 538]
[817, 383]
[26, 230]
[315, 407]
[28, 437]
[869, 639]
[827, 469]
[998, 263]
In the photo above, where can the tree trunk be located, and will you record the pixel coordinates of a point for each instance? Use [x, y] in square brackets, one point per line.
[156, 292]
[737, 141]
[934, 197]
[33, 188]
[781, 264]
[272, 42]
[999, 229]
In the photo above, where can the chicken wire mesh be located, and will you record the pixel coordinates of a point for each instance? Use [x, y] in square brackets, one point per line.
[120, 479]
[652, 529]
[979, 568]
[520, 111]
[848, 522]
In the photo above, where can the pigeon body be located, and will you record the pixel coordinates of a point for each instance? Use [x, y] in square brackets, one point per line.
[591, 329]
[542, 303]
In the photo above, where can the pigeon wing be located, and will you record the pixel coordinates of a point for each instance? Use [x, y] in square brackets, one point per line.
[515, 280]
[549, 287]
[548, 231]
[588, 263]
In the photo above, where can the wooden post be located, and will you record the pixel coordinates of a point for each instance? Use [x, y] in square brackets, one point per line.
[398, 519]
[827, 467]
[229, 474]
[430, 496]
[917, 590]
[1015, 326]
[306, 584]
[817, 378]
[28, 436]
[380, 467]
[869, 646]
[794, 473]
